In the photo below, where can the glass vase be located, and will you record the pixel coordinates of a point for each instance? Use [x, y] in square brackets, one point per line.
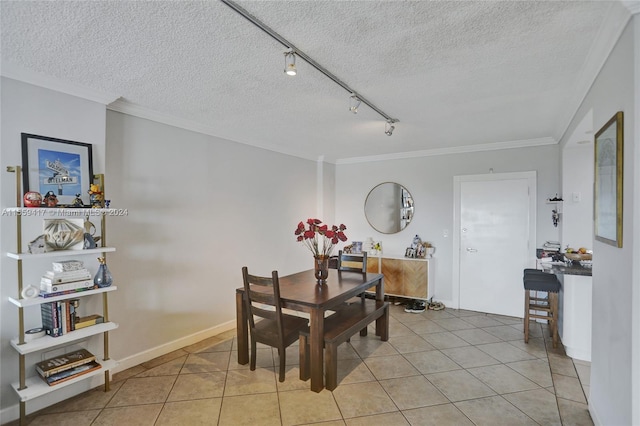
[321, 268]
[103, 277]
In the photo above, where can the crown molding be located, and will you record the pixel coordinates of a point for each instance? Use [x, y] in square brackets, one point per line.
[632, 5]
[608, 35]
[453, 150]
[25, 75]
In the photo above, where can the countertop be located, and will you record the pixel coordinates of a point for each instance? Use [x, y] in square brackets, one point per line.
[565, 268]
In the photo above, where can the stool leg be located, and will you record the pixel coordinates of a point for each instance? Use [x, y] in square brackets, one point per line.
[554, 314]
[526, 316]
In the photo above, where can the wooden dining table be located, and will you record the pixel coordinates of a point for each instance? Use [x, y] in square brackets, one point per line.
[300, 292]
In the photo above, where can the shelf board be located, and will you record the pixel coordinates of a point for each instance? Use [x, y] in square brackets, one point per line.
[60, 253]
[23, 303]
[36, 386]
[50, 342]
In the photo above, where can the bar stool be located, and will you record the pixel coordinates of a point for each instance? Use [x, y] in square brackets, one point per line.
[537, 306]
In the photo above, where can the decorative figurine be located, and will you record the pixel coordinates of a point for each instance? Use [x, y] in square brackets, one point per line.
[32, 199]
[77, 202]
[96, 196]
[50, 199]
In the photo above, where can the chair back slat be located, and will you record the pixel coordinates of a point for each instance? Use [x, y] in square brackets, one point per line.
[353, 263]
[264, 291]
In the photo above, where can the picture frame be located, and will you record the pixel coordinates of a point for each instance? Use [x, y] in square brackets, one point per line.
[62, 166]
[608, 184]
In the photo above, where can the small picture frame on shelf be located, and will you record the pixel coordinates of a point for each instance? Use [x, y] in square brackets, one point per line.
[410, 252]
[56, 165]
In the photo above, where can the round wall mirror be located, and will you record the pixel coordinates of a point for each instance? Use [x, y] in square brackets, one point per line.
[389, 208]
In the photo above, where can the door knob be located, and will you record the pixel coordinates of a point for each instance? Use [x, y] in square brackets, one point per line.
[471, 250]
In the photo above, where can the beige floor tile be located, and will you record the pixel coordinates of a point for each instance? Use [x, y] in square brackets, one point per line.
[538, 404]
[469, 356]
[212, 344]
[346, 351]
[506, 320]
[413, 392]
[431, 362]
[143, 390]
[562, 365]
[390, 367]
[192, 412]
[170, 368]
[304, 406]
[397, 329]
[164, 358]
[138, 415]
[76, 418]
[292, 356]
[244, 382]
[584, 373]
[444, 340]
[264, 359]
[292, 380]
[425, 326]
[476, 336]
[568, 388]
[494, 411]
[431, 314]
[439, 415]
[206, 362]
[481, 320]
[96, 398]
[504, 352]
[459, 385]
[502, 379]
[363, 399]
[505, 332]
[198, 385]
[534, 347]
[250, 410]
[353, 371]
[388, 419]
[329, 423]
[452, 324]
[574, 413]
[129, 372]
[372, 346]
[536, 370]
[407, 344]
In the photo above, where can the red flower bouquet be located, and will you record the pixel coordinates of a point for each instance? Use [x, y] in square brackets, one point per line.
[319, 238]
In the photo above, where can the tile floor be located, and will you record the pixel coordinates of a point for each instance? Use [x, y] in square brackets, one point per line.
[448, 367]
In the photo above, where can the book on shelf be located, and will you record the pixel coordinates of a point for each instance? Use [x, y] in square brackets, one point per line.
[50, 320]
[67, 265]
[51, 277]
[47, 286]
[62, 293]
[89, 320]
[72, 373]
[70, 360]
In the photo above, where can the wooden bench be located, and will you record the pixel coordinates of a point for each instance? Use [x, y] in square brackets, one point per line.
[338, 328]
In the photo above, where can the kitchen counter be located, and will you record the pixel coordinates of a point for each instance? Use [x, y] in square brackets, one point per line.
[561, 268]
[574, 318]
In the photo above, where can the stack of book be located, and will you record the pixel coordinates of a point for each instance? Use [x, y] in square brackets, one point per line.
[61, 317]
[66, 367]
[67, 277]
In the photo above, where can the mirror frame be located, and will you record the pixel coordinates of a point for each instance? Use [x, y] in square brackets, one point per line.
[405, 209]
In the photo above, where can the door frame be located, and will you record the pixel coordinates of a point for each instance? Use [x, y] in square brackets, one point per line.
[457, 181]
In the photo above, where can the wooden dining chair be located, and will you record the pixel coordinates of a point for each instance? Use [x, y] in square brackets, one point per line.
[352, 262]
[270, 327]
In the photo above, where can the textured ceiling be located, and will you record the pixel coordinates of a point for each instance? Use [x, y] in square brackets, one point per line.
[456, 74]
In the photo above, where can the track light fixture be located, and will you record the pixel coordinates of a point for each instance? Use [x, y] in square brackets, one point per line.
[290, 65]
[290, 62]
[355, 103]
[389, 127]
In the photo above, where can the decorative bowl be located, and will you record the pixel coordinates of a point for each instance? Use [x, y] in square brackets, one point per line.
[578, 256]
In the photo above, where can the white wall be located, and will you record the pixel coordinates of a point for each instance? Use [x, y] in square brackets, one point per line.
[614, 291]
[577, 214]
[430, 182]
[31, 109]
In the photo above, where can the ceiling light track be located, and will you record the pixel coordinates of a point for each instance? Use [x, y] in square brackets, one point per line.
[286, 43]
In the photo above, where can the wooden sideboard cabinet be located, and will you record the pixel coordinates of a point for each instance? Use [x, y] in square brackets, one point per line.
[404, 277]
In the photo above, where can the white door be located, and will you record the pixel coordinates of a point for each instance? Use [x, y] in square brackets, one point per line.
[496, 241]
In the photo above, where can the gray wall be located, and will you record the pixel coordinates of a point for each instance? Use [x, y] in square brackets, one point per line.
[430, 181]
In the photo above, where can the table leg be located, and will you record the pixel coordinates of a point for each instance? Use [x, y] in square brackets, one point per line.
[316, 343]
[382, 323]
[242, 331]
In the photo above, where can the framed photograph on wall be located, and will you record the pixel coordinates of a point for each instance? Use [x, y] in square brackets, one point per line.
[608, 161]
[62, 166]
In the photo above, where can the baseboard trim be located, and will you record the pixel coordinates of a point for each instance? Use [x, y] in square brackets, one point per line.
[594, 416]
